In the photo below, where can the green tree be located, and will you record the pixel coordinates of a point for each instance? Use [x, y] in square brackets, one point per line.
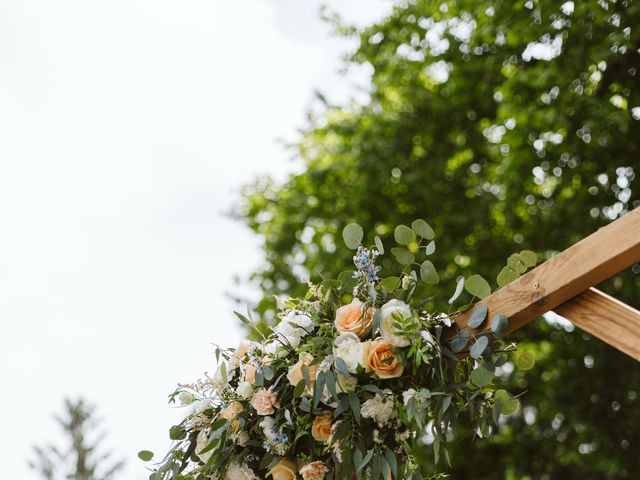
[507, 125]
[82, 458]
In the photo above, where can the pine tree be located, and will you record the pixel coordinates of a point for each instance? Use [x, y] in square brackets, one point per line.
[82, 457]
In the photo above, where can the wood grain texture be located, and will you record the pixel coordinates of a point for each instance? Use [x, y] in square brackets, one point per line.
[581, 266]
[605, 317]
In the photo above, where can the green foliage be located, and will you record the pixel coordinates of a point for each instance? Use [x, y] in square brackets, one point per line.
[500, 151]
[352, 235]
[82, 457]
[477, 286]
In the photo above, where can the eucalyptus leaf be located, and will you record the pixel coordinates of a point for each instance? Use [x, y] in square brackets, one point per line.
[145, 455]
[365, 461]
[478, 347]
[477, 286]
[460, 341]
[499, 324]
[430, 248]
[423, 229]
[352, 235]
[404, 235]
[379, 244]
[478, 316]
[515, 263]
[508, 404]
[482, 375]
[403, 256]
[347, 280]
[529, 257]
[428, 273]
[390, 283]
[458, 292]
[524, 360]
[506, 276]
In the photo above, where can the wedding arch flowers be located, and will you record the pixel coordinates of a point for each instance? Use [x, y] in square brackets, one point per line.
[350, 379]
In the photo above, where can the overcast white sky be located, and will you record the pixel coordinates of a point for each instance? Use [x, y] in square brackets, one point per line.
[126, 129]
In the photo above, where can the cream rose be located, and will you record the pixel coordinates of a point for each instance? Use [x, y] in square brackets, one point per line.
[348, 347]
[284, 470]
[314, 471]
[389, 312]
[380, 359]
[352, 318]
[295, 375]
[321, 428]
[264, 401]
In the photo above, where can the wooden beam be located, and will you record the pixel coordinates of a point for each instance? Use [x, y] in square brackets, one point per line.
[583, 265]
[605, 317]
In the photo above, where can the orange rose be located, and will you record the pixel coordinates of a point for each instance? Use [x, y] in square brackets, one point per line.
[285, 470]
[321, 428]
[352, 318]
[380, 359]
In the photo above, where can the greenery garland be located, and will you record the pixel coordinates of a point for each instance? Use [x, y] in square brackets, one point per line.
[352, 379]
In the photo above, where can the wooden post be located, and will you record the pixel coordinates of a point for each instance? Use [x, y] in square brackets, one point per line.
[569, 274]
[605, 317]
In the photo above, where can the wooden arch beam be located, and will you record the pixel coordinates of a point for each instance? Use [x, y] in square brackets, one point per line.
[569, 274]
[605, 317]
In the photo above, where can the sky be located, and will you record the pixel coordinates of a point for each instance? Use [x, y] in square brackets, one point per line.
[126, 131]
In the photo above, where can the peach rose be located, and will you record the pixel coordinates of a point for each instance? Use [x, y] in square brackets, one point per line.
[264, 401]
[295, 375]
[352, 318]
[249, 374]
[380, 359]
[284, 470]
[231, 411]
[321, 428]
[314, 471]
[242, 350]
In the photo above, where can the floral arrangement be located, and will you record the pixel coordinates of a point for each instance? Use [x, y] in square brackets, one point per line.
[351, 379]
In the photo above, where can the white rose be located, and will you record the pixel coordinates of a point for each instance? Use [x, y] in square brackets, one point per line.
[394, 308]
[241, 471]
[290, 335]
[350, 349]
[276, 348]
[302, 320]
[245, 390]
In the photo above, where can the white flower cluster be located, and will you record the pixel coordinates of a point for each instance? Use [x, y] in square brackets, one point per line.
[380, 408]
[293, 327]
[241, 471]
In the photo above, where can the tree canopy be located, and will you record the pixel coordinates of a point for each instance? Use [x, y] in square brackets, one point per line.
[507, 125]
